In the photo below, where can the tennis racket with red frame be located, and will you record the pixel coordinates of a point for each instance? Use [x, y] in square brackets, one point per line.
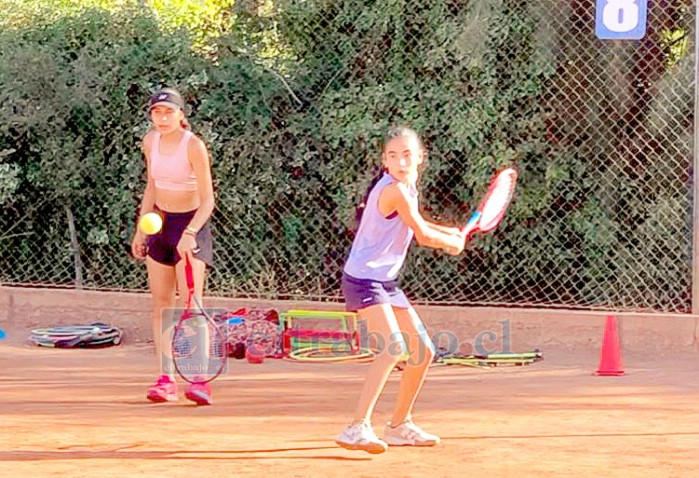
[492, 208]
[199, 352]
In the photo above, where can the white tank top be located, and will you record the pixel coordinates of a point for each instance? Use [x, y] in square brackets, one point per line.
[381, 244]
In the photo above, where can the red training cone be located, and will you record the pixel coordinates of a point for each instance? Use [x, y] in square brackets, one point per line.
[610, 359]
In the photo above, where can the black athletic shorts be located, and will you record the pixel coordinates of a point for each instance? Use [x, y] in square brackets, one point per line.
[162, 247]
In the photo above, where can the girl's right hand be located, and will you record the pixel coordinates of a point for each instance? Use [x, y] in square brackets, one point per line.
[138, 245]
[454, 251]
[461, 238]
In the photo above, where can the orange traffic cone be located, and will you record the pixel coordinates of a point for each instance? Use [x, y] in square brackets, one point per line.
[610, 359]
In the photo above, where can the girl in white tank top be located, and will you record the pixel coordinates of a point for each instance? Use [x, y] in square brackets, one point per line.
[388, 224]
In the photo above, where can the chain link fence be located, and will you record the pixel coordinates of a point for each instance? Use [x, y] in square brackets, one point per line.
[602, 132]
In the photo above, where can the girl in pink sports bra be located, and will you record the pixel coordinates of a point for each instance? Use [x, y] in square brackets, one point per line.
[180, 189]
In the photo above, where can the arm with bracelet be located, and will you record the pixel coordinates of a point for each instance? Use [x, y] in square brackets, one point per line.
[191, 232]
[199, 159]
[180, 180]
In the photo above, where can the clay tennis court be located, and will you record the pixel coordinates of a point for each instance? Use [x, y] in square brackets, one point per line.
[83, 413]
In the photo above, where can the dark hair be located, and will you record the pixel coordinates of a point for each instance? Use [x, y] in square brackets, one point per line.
[399, 132]
[392, 133]
[362, 205]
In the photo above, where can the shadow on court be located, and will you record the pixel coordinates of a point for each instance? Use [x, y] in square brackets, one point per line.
[68, 410]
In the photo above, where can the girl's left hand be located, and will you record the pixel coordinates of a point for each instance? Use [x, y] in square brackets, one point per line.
[187, 245]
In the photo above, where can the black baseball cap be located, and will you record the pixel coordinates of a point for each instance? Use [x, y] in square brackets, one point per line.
[166, 97]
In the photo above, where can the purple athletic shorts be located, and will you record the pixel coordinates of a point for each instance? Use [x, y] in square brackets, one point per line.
[361, 293]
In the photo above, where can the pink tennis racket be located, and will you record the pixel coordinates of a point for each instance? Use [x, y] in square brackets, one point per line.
[492, 208]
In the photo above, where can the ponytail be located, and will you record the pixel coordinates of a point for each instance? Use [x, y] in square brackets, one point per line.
[362, 205]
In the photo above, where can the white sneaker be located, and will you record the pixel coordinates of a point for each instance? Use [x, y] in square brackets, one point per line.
[409, 434]
[361, 437]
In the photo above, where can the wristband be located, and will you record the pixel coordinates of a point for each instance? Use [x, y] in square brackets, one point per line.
[191, 231]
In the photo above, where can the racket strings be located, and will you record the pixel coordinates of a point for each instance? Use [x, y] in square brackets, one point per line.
[187, 338]
[497, 202]
[198, 348]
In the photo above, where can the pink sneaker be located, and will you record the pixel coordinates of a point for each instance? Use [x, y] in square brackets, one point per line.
[164, 390]
[199, 393]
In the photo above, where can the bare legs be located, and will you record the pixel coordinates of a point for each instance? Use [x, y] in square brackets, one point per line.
[162, 279]
[382, 325]
[394, 328]
[420, 354]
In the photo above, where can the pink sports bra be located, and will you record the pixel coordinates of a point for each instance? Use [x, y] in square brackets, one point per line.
[174, 172]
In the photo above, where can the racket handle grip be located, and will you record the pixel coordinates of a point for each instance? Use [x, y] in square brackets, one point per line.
[468, 230]
[189, 275]
[471, 226]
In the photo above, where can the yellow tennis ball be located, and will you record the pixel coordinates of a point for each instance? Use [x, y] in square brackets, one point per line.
[150, 223]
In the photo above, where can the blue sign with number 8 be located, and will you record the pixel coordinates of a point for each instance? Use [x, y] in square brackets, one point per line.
[621, 19]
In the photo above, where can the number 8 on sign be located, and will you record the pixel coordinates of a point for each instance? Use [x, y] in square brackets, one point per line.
[621, 19]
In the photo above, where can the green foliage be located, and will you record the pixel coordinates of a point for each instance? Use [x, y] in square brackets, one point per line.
[72, 107]
[292, 98]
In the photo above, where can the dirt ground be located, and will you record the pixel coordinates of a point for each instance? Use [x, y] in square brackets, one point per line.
[83, 413]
